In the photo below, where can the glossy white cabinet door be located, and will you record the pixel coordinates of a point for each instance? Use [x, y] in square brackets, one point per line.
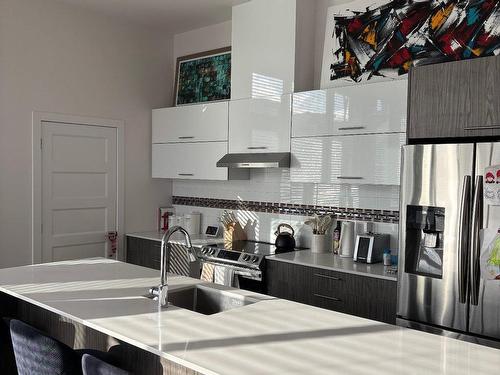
[260, 125]
[360, 109]
[263, 48]
[352, 159]
[189, 160]
[191, 123]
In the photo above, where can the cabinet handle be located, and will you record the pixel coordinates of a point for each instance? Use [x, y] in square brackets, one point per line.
[257, 148]
[186, 137]
[349, 178]
[352, 128]
[328, 277]
[186, 174]
[482, 127]
[327, 297]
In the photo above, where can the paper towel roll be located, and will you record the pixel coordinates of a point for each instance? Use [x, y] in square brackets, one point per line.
[347, 239]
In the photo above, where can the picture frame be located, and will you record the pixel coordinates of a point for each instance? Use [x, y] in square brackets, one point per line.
[372, 40]
[203, 77]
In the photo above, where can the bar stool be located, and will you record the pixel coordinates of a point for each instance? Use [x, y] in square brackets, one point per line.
[36, 353]
[94, 366]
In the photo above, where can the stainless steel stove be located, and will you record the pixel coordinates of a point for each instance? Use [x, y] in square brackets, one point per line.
[247, 258]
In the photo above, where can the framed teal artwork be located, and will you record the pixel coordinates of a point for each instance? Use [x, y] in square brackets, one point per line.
[203, 77]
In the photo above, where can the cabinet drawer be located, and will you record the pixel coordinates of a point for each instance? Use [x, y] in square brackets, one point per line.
[189, 160]
[192, 123]
[334, 303]
[330, 284]
[358, 109]
[260, 125]
[355, 159]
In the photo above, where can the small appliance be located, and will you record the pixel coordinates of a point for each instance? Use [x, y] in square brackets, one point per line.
[370, 247]
[347, 238]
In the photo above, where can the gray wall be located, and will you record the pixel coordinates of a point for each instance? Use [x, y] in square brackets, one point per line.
[57, 58]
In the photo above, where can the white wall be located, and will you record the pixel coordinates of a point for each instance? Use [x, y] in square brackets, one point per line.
[57, 58]
[204, 39]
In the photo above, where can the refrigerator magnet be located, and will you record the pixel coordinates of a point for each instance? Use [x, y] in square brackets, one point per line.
[491, 185]
[489, 259]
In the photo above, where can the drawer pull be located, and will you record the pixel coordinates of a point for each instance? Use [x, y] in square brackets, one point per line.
[349, 178]
[352, 128]
[328, 277]
[257, 148]
[482, 127]
[327, 297]
[186, 137]
[186, 174]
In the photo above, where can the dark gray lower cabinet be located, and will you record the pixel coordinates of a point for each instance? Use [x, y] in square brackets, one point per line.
[143, 252]
[147, 253]
[363, 296]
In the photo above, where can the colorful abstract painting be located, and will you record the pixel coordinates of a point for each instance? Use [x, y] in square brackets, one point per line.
[384, 40]
[203, 79]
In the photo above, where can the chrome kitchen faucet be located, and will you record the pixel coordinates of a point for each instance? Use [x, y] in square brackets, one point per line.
[160, 292]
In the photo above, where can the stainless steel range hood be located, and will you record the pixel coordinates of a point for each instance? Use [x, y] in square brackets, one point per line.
[258, 160]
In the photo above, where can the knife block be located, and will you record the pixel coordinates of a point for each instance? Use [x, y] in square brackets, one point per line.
[234, 232]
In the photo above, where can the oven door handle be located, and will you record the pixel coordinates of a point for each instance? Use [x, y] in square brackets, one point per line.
[240, 271]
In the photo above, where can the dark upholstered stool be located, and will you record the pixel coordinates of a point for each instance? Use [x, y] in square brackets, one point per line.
[39, 354]
[94, 366]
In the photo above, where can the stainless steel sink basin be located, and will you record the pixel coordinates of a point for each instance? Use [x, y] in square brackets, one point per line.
[207, 300]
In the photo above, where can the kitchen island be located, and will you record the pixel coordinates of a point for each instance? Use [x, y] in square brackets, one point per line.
[93, 297]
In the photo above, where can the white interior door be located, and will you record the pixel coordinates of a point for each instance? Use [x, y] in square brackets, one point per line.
[79, 190]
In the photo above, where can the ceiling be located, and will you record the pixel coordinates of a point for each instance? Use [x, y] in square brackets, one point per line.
[174, 16]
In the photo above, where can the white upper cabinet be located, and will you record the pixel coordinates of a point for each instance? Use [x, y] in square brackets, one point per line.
[260, 125]
[192, 161]
[360, 109]
[263, 48]
[191, 123]
[353, 159]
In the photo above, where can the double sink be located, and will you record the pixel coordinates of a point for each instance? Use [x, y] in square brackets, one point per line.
[207, 300]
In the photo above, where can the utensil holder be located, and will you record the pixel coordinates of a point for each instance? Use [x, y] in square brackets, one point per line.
[320, 243]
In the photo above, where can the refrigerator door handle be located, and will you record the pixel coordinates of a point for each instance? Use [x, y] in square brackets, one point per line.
[477, 225]
[463, 244]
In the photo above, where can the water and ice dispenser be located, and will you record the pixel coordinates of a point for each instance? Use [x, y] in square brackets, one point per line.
[424, 241]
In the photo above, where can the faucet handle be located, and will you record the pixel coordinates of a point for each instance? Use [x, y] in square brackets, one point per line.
[154, 291]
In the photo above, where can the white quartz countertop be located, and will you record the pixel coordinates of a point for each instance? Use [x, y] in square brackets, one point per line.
[333, 262]
[271, 336]
[196, 239]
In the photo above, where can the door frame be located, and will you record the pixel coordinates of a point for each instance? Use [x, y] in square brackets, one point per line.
[37, 119]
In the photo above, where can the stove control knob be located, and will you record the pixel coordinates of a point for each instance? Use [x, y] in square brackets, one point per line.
[204, 251]
[246, 258]
[212, 251]
[255, 259]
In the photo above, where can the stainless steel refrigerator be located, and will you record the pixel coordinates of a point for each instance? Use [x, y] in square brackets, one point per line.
[443, 218]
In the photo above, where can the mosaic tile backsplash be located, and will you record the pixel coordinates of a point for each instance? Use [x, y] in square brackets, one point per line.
[269, 198]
